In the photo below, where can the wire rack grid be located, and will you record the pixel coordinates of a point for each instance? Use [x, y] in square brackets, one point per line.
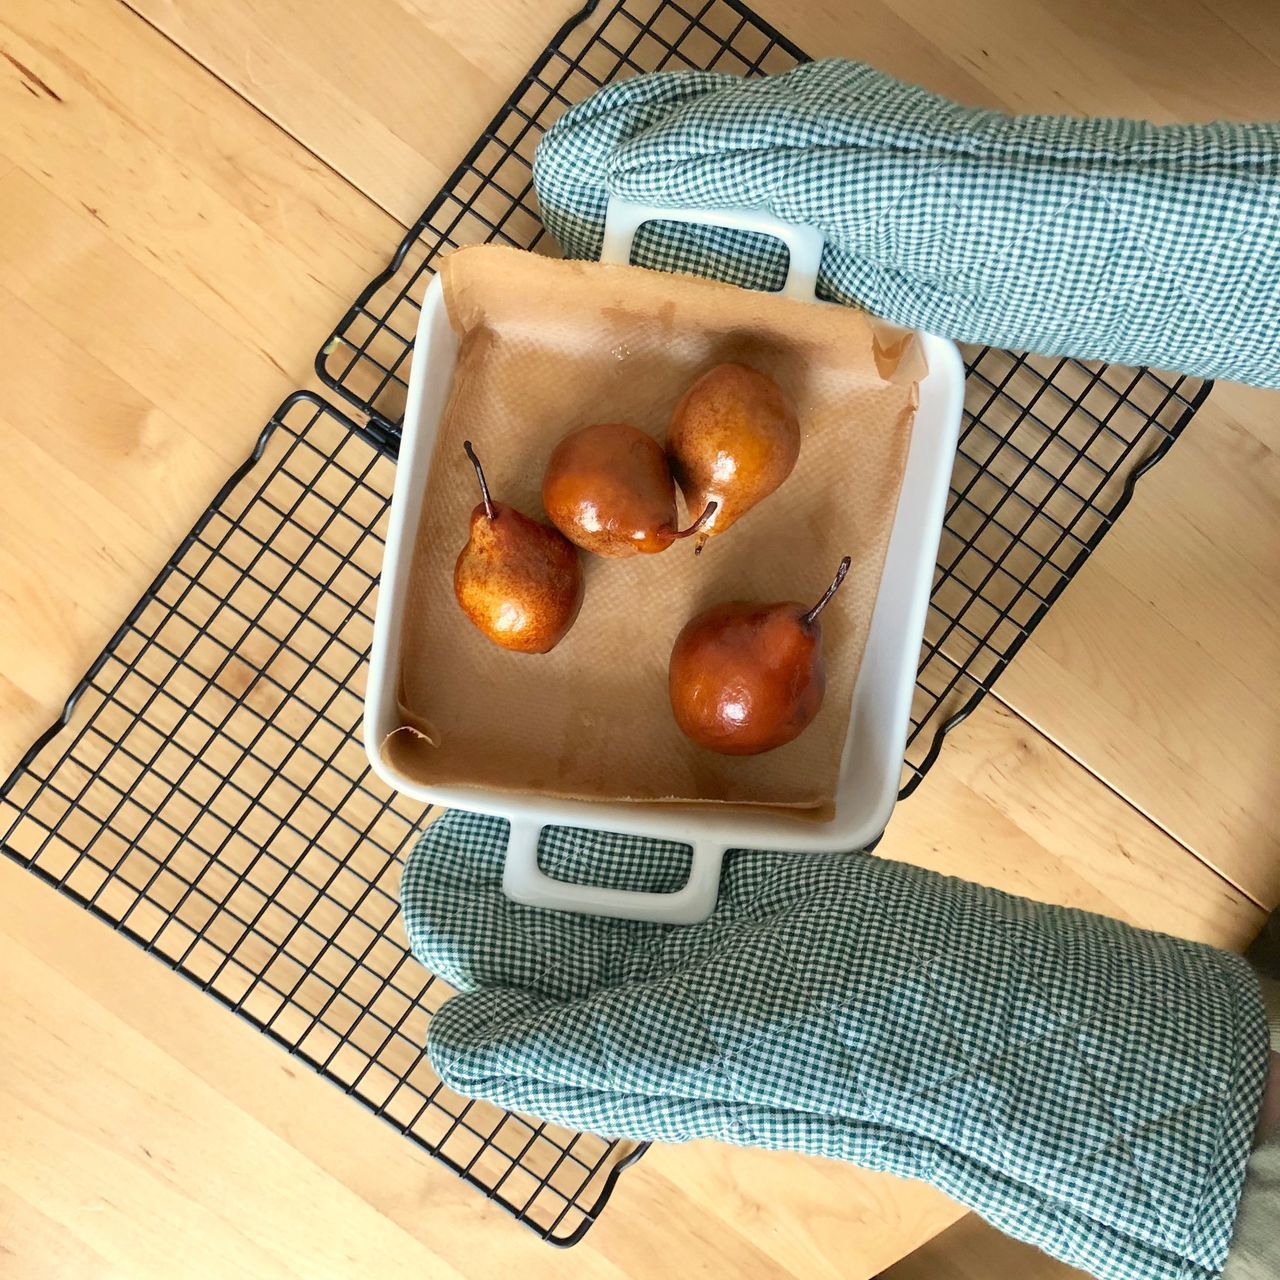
[1051, 448]
[206, 792]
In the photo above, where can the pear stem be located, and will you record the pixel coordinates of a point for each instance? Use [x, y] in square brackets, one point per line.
[697, 525]
[809, 618]
[484, 487]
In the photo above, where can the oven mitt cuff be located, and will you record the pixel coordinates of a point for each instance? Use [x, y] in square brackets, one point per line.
[1110, 239]
[1086, 1086]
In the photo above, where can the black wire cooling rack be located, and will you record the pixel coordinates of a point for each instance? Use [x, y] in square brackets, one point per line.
[208, 796]
[206, 792]
[1051, 448]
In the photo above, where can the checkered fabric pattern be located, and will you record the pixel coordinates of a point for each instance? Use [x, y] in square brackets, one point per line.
[1109, 239]
[1086, 1086]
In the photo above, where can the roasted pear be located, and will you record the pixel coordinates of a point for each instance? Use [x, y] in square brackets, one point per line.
[608, 488]
[734, 438]
[518, 581]
[746, 678]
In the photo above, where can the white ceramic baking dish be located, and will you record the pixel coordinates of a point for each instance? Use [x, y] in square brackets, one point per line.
[872, 761]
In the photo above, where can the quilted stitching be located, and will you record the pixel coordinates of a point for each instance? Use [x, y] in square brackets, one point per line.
[1109, 239]
[1084, 1085]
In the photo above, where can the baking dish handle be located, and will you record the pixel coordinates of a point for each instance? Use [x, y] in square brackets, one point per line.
[525, 882]
[623, 219]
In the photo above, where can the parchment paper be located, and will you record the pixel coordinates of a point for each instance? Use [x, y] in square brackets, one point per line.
[548, 346]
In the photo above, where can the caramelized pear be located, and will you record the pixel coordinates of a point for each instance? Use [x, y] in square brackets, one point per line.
[608, 488]
[746, 678]
[518, 581]
[734, 439]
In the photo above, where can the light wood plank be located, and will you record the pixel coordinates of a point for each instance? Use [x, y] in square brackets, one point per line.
[116, 1140]
[184, 174]
[155, 337]
[160, 222]
[167, 474]
[169, 259]
[398, 137]
[390, 94]
[71, 567]
[971, 1250]
[1006, 807]
[1167, 50]
[1157, 668]
[1183, 61]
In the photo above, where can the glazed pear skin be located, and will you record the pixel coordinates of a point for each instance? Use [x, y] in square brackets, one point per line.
[734, 438]
[608, 488]
[745, 678]
[518, 581]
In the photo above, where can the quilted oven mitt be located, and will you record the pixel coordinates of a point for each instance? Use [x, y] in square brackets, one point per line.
[1086, 1086]
[1109, 239]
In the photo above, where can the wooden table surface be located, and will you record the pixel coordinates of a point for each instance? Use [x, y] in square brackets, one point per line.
[190, 194]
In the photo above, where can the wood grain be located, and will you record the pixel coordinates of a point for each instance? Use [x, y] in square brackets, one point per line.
[187, 202]
[168, 260]
[972, 1250]
[149, 1133]
[402, 88]
[1157, 668]
[1009, 809]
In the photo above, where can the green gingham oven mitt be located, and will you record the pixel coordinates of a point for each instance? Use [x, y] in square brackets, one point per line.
[1083, 1085]
[1111, 239]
